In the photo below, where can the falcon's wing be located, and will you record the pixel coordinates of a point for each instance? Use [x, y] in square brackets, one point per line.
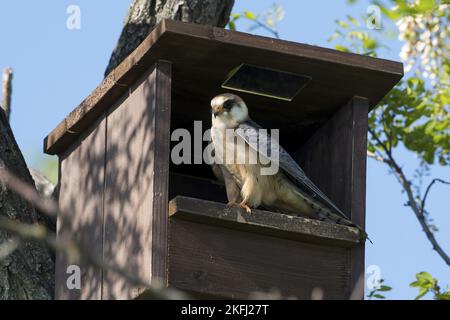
[249, 131]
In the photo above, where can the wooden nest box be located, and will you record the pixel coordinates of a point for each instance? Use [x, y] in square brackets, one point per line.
[129, 204]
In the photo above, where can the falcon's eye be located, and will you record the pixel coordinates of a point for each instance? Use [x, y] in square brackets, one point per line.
[227, 105]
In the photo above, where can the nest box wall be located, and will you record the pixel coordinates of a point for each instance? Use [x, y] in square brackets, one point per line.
[117, 180]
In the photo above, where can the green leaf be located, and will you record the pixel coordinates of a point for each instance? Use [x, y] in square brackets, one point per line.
[422, 292]
[360, 35]
[342, 48]
[335, 35]
[443, 296]
[250, 15]
[343, 24]
[385, 288]
[391, 14]
[235, 16]
[232, 25]
[424, 276]
[353, 20]
[369, 44]
[379, 296]
[425, 6]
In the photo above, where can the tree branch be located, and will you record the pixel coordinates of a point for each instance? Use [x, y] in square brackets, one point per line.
[417, 208]
[427, 191]
[267, 28]
[377, 157]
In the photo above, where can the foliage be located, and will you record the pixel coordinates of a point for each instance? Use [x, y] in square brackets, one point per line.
[416, 113]
[427, 284]
[376, 292]
[424, 282]
[355, 37]
[267, 21]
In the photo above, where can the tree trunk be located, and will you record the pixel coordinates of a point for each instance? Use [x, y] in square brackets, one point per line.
[143, 15]
[28, 272]
[6, 91]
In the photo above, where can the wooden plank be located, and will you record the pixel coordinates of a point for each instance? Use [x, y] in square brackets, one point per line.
[136, 186]
[335, 159]
[81, 199]
[161, 125]
[230, 263]
[359, 107]
[213, 53]
[128, 187]
[281, 46]
[264, 222]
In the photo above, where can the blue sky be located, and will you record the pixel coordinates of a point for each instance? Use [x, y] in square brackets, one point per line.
[55, 68]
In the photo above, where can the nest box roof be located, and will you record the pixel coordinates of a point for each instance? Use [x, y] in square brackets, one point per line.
[203, 58]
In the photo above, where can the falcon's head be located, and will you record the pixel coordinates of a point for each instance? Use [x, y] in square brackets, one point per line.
[228, 110]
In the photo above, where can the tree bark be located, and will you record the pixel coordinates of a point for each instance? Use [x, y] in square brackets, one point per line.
[6, 91]
[28, 272]
[143, 15]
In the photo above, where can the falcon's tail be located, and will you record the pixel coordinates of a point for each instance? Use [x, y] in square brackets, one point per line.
[330, 217]
[326, 214]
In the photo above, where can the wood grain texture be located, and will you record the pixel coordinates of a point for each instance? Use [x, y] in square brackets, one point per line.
[81, 192]
[129, 187]
[114, 183]
[136, 186]
[263, 222]
[161, 125]
[207, 259]
[335, 160]
[360, 108]
[213, 53]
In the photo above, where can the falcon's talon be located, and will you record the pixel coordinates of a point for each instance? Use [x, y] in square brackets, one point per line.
[246, 208]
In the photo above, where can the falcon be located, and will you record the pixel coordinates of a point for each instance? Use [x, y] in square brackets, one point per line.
[288, 190]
